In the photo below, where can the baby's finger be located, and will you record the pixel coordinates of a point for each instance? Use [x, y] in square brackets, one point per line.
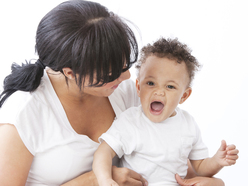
[230, 147]
[232, 157]
[223, 146]
[233, 152]
[230, 162]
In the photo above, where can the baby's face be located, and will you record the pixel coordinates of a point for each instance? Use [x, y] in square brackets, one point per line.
[161, 86]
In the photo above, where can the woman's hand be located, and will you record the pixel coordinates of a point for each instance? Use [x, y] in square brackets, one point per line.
[122, 176]
[199, 181]
[127, 177]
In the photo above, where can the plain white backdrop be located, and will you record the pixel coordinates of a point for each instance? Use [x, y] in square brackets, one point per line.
[216, 31]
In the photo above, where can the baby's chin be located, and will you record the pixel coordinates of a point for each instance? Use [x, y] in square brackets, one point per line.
[159, 118]
[156, 119]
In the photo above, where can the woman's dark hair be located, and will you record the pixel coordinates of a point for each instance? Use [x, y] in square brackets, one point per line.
[83, 36]
[171, 49]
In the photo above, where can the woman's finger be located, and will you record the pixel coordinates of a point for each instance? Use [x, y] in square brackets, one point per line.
[138, 177]
[127, 177]
[183, 182]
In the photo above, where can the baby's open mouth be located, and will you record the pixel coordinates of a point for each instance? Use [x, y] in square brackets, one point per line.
[156, 107]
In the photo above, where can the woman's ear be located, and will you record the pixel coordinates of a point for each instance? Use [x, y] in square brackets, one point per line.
[186, 95]
[138, 87]
[68, 73]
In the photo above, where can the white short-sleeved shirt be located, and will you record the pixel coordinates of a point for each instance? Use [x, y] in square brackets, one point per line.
[156, 150]
[60, 154]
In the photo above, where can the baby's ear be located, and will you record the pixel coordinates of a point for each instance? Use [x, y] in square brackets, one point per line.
[138, 87]
[186, 95]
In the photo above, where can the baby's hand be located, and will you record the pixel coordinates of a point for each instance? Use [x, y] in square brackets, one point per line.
[227, 154]
[108, 182]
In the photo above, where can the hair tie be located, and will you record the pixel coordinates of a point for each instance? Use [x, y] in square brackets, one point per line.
[40, 63]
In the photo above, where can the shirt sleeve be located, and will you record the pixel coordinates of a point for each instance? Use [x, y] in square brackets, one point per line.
[26, 113]
[199, 149]
[14, 112]
[121, 136]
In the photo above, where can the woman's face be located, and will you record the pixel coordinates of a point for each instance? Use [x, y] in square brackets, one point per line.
[108, 88]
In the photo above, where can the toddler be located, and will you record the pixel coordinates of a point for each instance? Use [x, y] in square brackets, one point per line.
[157, 138]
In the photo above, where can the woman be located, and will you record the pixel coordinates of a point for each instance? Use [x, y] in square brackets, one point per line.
[53, 111]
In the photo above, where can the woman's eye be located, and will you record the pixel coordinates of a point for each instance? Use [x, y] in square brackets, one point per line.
[125, 69]
[150, 83]
[170, 87]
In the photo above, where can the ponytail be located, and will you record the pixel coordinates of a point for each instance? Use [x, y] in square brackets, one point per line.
[26, 78]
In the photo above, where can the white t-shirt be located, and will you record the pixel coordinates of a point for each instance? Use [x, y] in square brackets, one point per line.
[156, 150]
[60, 154]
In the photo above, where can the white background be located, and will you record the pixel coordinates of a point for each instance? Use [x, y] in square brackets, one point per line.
[216, 31]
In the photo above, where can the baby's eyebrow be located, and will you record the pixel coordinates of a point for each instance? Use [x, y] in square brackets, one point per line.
[172, 81]
[150, 77]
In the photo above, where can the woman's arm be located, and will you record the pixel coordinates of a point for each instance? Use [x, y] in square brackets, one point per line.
[199, 181]
[88, 179]
[122, 176]
[102, 166]
[127, 177]
[15, 158]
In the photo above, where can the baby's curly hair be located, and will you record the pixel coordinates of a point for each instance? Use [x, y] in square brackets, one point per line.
[171, 49]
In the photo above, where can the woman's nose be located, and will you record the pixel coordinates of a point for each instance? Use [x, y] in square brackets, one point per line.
[125, 75]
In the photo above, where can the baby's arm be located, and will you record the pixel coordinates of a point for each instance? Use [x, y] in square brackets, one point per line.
[102, 165]
[225, 156]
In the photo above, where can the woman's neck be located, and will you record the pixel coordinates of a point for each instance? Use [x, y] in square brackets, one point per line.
[69, 93]
[87, 114]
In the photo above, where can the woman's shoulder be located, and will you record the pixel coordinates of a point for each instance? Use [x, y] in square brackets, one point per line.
[127, 92]
[128, 84]
[124, 97]
[21, 101]
[17, 110]
[29, 112]
[15, 103]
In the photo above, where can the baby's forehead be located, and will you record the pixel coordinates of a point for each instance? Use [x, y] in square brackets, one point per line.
[154, 58]
[154, 63]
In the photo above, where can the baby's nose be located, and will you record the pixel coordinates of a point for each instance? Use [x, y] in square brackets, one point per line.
[159, 93]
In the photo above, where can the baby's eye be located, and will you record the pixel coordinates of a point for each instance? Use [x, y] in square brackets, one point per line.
[150, 83]
[170, 87]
